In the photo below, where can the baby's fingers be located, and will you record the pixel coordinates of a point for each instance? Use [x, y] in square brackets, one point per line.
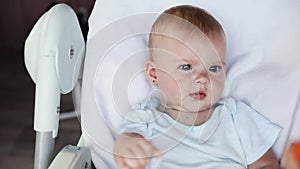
[156, 153]
[121, 163]
[128, 163]
[147, 150]
[139, 155]
[134, 163]
[134, 159]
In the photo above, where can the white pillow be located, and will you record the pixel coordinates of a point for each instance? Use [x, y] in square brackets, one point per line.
[262, 58]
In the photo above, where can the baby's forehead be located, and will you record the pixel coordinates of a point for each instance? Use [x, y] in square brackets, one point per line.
[176, 31]
[190, 49]
[189, 56]
[188, 40]
[181, 35]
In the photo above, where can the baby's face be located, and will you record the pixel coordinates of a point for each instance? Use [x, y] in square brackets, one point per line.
[190, 71]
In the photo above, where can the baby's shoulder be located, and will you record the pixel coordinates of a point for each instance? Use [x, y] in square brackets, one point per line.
[235, 107]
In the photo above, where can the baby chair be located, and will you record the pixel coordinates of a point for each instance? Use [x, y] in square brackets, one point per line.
[54, 52]
[262, 68]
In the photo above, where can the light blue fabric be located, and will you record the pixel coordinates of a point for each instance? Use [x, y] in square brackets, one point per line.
[233, 137]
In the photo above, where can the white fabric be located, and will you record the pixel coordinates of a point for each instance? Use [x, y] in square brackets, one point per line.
[262, 58]
[235, 136]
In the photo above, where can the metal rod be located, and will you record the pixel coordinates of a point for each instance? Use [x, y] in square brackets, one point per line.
[44, 146]
[67, 115]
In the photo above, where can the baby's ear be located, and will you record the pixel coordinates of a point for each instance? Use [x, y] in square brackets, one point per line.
[150, 71]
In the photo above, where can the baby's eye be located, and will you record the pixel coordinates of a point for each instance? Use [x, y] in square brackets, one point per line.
[185, 67]
[215, 68]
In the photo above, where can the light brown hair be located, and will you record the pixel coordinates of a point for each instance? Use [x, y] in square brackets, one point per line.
[182, 17]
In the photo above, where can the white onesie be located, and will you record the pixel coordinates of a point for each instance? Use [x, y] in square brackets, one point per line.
[233, 137]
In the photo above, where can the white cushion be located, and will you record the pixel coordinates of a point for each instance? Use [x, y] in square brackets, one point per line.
[262, 58]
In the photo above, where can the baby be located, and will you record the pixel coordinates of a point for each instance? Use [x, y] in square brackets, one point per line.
[186, 123]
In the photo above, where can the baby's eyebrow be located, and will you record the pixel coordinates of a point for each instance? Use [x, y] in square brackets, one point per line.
[191, 61]
[196, 61]
[221, 62]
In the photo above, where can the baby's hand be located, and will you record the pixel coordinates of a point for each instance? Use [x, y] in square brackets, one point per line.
[131, 151]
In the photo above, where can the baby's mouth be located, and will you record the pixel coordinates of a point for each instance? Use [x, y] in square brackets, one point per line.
[198, 95]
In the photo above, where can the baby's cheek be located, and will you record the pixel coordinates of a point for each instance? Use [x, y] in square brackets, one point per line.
[173, 90]
[168, 85]
[217, 83]
[175, 87]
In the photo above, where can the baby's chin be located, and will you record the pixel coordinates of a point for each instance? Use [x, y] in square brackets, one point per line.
[194, 109]
[197, 106]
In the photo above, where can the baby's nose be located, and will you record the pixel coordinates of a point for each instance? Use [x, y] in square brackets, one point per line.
[202, 78]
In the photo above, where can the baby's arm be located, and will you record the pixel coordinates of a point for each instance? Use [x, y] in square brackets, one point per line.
[267, 161]
[132, 151]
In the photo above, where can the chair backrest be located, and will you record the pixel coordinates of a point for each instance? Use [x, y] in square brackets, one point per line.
[54, 52]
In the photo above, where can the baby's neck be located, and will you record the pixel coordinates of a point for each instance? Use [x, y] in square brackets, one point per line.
[187, 118]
